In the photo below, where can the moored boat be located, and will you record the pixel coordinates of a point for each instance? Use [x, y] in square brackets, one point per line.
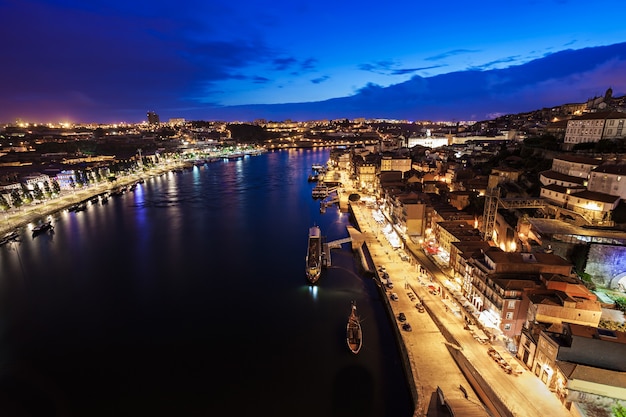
[314, 255]
[42, 227]
[354, 333]
[11, 236]
[319, 191]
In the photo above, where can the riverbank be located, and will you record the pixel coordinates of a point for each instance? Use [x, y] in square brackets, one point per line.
[35, 213]
[444, 362]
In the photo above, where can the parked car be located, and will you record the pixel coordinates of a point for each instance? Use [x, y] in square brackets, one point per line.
[389, 284]
[394, 296]
[402, 317]
[406, 327]
[419, 307]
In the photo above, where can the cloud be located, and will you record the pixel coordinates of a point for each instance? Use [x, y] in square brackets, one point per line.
[413, 70]
[453, 52]
[282, 64]
[390, 68]
[379, 67]
[495, 63]
[308, 64]
[320, 80]
[560, 78]
[260, 80]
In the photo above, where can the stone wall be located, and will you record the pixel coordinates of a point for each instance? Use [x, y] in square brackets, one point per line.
[605, 264]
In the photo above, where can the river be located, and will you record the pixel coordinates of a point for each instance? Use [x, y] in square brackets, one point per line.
[188, 297]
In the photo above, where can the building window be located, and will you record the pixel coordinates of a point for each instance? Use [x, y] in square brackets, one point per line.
[509, 316]
[507, 326]
[511, 304]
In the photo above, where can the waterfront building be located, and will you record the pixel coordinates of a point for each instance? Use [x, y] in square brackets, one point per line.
[367, 177]
[586, 389]
[408, 211]
[499, 280]
[563, 299]
[447, 232]
[599, 352]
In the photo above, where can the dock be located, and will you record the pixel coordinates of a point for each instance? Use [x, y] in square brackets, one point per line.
[326, 250]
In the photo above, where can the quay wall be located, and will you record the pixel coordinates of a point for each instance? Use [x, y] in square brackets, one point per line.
[366, 258]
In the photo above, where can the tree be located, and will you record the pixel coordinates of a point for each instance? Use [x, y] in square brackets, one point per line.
[16, 198]
[37, 192]
[4, 204]
[56, 188]
[47, 192]
[27, 194]
[78, 178]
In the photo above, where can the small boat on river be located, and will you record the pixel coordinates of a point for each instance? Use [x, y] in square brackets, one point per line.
[354, 334]
[42, 227]
[9, 237]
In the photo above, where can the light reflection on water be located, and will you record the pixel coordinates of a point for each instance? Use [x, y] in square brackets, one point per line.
[188, 296]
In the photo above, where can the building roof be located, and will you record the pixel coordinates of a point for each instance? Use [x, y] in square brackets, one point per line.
[526, 258]
[556, 227]
[616, 169]
[603, 115]
[558, 176]
[578, 159]
[518, 281]
[561, 189]
[596, 196]
[555, 298]
[597, 333]
[574, 371]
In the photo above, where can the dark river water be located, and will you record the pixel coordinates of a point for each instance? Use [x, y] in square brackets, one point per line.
[188, 297]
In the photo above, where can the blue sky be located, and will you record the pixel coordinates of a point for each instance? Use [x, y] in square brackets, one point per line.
[112, 61]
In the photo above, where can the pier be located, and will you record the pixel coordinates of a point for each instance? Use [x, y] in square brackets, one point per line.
[327, 246]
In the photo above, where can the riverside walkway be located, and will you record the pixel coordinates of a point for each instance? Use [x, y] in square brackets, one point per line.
[445, 363]
[16, 218]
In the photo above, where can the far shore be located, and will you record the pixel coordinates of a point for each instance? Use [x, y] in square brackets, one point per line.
[35, 213]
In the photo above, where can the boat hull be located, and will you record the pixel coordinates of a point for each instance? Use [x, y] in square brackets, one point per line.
[314, 255]
[354, 333]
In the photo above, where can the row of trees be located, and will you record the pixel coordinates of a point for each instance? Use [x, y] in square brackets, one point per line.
[24, 195]
[80, 178]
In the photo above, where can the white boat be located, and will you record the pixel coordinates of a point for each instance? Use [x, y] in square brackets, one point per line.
[354, 333]
[314, 255]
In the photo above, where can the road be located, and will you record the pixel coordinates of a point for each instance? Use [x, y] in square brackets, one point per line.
[441, 352]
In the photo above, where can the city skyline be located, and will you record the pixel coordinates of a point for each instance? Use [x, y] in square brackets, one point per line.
[113, 61]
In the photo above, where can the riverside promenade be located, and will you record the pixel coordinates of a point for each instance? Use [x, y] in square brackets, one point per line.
[33, 213]
[445, 362]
